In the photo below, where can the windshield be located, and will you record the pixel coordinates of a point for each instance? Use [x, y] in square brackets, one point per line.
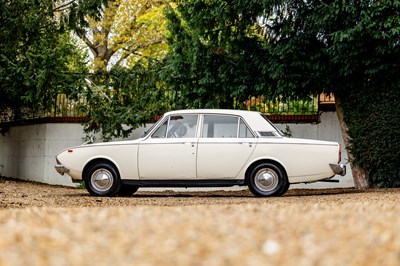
[151, 128]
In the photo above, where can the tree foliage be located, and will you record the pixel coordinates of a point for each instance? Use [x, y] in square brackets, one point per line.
[37, 52]
[216, 53]
[41, 58]
[127, 43]
[126, 99]
[125, 32]
[231, 49]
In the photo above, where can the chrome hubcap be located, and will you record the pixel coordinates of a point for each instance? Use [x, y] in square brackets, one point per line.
[102, 180]
[266, 179]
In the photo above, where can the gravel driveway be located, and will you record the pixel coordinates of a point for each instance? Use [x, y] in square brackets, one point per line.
[54, 225]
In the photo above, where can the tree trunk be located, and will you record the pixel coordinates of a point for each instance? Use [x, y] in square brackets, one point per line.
[360, 174]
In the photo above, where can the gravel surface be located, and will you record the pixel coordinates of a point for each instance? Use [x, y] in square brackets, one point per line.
[54, 225]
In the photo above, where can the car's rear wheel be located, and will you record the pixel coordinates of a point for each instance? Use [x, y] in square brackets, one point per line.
[102, 179]
[127, 190]
[267, 179]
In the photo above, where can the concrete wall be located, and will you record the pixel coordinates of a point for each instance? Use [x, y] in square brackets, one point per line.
[28, 152]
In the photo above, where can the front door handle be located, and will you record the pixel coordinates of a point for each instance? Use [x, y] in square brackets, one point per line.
[248, 143]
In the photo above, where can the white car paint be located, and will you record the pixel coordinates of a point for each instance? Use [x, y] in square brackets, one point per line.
[226, 155]
[215, 160]
[167, 158]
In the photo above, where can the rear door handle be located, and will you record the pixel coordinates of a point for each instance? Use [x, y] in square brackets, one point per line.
[190, 143]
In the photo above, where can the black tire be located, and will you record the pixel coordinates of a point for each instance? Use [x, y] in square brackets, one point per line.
[102, 179]
[267, 179]
[127, 190]
[284, 189]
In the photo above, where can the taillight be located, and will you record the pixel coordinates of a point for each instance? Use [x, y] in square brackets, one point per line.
[340, 153]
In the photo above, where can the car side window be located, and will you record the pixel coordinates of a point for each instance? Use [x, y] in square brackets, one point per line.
[220, 126]
[178, 126]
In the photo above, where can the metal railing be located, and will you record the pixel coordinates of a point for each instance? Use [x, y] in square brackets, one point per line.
[281, 105]
[62, 106]
[67, 108]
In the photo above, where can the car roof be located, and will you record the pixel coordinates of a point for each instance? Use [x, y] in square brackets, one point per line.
[253, 118]
[212, 111]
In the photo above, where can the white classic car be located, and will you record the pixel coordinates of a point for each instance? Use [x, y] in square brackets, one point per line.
[203, 148]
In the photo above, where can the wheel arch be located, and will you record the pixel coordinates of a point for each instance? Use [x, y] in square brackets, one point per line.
[95, 161]
[260, 161]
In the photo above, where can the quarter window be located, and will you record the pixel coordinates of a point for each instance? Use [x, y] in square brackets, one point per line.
[244, 131]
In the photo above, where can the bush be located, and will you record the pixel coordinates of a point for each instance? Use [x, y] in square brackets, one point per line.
[373, 119]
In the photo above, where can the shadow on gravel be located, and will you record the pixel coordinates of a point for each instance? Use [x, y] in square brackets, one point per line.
[245, 193]
[225, 193]
[222, 194]
[327, 191]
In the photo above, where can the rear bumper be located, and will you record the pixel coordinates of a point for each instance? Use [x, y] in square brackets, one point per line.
[338, 169]
[61, 169]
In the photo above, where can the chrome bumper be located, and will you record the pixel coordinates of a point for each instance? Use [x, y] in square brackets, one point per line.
[61, 169]
[339, 169]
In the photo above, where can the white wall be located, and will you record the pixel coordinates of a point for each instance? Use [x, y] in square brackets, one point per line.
[28, 152]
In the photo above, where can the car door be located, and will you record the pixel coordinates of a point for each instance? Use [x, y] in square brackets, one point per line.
[224, 147]
[170, 152]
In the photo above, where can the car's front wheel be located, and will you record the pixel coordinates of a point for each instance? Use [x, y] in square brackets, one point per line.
[102, 179]
[267, 179]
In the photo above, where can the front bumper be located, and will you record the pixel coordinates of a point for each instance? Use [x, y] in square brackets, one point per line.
[339, 169]
[61, 169]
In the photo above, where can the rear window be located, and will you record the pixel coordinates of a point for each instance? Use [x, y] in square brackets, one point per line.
[269, 122]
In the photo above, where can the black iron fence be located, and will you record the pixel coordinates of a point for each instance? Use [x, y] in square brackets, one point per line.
[281, 105]
[61, 107]
[67, 109]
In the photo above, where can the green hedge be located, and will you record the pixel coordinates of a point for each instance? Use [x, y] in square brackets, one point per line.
[373, 119]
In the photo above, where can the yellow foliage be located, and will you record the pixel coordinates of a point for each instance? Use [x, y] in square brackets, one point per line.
[127, 31]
